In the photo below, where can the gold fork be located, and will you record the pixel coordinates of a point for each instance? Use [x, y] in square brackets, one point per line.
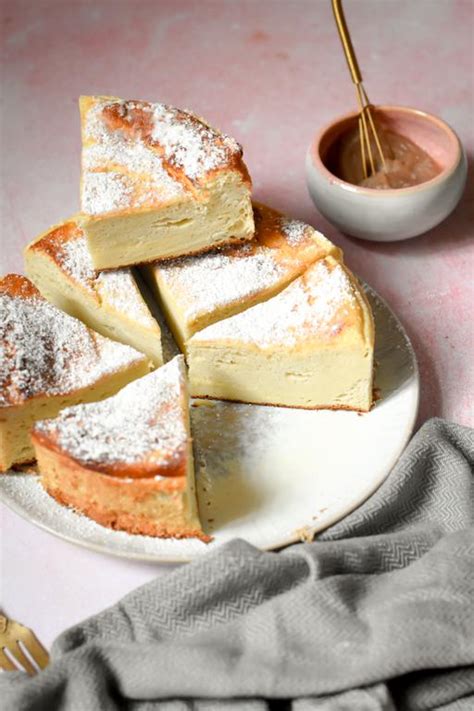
[15, 640]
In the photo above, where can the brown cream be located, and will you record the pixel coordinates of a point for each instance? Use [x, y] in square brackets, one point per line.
[406, 164]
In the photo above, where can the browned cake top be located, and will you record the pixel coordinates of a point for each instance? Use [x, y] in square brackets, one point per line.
[138, 154]
[43, 351]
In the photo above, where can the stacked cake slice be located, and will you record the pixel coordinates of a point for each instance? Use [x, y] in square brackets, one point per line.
[158, 182]
[58, 262]
[127, 461]
[261, 305]
[50, 361]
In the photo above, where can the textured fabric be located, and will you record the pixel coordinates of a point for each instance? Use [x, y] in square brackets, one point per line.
[376, 614]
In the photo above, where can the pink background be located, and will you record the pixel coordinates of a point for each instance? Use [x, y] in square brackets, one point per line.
[270, 73]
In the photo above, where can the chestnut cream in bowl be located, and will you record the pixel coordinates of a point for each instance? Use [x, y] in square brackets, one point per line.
[421, 183]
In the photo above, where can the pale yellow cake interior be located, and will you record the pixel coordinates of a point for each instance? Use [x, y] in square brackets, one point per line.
[92, 306]
[220, 215]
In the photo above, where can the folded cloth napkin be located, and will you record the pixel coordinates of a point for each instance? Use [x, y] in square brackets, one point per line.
[377, 613]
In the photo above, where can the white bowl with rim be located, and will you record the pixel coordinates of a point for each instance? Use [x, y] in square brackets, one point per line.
[393, 214]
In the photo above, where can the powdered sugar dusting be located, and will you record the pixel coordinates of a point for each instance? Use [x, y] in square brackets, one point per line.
[105, 192]
[294, 230]
[308, 307]
[136, 172]
[190, 144]
[125, 163]
[205, 282]
[119, 289]
[217, 279]
[117, 286]
[74, 258]
[145, 420]
[46, 351]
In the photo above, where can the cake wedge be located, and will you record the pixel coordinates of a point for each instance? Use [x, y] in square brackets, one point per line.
[158, 182]
[196, 291]
[126, 462]
[48, 361]
[310, 346]
[59, 264]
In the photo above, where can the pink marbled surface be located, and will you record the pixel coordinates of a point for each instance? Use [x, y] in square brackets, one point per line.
[270, 73]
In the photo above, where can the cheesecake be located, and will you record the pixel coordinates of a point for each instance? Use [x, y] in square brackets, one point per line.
[126, 462]
[196, 291]
[49, 361]
[158, 182]
[60, 266]
[310, 346]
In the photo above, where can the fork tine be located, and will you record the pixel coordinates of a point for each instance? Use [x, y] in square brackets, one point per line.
[6, 663]
[36, 650]
[17, 652]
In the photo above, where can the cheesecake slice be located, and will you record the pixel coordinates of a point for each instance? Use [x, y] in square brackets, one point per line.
[48, 361]
[158, 182]
[197, 291]
[59, 264]
[126, 462]
[311, 346]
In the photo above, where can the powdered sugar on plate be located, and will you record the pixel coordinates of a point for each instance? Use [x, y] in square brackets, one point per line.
[43, 350]
[146, 420]
[307, 307]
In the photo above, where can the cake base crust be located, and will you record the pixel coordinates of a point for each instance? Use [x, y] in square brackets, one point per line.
[130, 523]
[347, 408]
[150, 506]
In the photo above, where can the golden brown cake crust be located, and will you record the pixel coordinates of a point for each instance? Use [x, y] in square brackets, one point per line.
[120, 521]
[52, 241]
[172, 470]
[18, 286]
[134, 119]
[150, 506]
[139, 156]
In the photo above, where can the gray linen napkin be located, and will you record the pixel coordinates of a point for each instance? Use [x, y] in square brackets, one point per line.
[377, 613]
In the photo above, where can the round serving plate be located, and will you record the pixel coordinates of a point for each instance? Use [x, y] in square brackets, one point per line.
[269, 475]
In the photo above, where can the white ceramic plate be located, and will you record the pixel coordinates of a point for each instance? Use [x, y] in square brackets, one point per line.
[268, 475]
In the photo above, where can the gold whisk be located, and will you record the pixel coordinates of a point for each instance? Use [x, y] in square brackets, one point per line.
[365, 119]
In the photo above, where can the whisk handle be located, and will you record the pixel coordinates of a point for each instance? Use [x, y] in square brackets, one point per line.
[346, 41]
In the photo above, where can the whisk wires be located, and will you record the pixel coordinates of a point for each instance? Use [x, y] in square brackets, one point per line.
[367, 130]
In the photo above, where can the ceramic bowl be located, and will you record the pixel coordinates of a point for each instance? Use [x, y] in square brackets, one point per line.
[394, 214]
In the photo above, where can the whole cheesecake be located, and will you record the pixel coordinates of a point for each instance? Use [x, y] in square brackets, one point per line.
[58, 262]
[126, 462]
[158, 182]
[197, 291]
[310, 346]
[49, 361]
